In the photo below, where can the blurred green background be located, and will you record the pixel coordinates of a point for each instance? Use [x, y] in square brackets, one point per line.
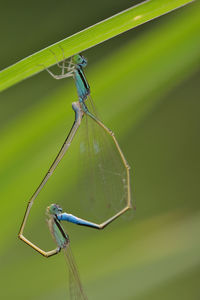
[145, 84]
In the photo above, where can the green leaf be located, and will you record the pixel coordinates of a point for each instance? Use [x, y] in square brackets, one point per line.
[87, 38]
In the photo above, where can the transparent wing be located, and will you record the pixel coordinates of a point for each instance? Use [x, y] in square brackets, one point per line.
[76, 288]
[103, 183]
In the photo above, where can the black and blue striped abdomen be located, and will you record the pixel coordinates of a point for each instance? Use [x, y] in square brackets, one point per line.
[82, 85]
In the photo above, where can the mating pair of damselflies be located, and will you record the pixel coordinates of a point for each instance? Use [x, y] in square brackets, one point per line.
[54, 211]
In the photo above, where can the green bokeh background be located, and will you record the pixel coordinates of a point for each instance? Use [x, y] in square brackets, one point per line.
[145, 84]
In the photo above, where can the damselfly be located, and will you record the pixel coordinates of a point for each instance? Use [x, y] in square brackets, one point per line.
[75, 70]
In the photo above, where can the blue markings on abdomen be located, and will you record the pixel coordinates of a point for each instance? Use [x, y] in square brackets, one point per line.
[75, 220]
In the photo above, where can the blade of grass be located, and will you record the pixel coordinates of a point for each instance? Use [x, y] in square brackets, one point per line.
[88, 38]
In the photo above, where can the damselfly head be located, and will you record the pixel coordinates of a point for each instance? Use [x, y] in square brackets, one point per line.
[54, 209]
[80, 60]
